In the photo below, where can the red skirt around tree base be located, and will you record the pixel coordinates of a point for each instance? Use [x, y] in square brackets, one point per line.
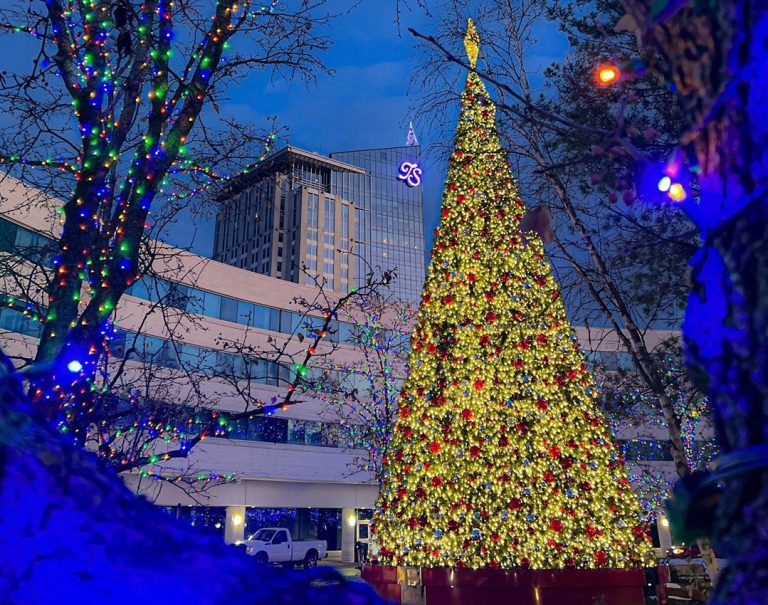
[444, 586]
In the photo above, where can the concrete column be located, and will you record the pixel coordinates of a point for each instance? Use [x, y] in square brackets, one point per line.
[665, 538]
[234, 530]
[348, 526]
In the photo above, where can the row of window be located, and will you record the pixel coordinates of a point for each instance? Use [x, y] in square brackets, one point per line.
[212, 362]
[26, 243]
[184, 297]
[269, 429]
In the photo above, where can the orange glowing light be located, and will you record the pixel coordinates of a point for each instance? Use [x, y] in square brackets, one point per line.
[607, 74]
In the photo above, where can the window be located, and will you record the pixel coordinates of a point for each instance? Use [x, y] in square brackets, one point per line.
[228, 310]
[296, 431]
[7, 235]
[168, 356]
[312, 209]
[15, 321]
[330, 214]
[345, 220]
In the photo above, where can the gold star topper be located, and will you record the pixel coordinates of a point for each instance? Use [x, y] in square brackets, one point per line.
[472, 43]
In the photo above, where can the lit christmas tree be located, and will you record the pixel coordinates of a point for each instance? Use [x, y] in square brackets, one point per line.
[500, 455]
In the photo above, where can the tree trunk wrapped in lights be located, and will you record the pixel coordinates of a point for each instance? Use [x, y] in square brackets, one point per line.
[500, 455]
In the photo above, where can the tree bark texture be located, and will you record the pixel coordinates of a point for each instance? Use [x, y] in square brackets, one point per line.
[715, 55]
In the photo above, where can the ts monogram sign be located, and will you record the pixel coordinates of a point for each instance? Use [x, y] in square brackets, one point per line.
[410, 172]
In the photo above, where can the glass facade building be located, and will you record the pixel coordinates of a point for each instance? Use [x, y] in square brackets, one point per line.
[339, 216]
[389, 214]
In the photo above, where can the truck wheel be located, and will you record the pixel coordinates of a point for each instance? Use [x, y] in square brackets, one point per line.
[311, 559]
[261, 558]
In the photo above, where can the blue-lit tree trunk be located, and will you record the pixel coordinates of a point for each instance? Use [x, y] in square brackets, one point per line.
[716, 54]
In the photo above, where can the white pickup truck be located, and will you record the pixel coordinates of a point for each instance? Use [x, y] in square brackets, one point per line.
[274, 545]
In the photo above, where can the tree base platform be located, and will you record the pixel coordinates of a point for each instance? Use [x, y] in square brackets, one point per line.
[446, 586]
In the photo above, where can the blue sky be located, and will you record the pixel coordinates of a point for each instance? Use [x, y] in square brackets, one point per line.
[364, 104]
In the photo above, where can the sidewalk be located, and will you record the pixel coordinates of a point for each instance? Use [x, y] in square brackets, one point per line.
[348, 570]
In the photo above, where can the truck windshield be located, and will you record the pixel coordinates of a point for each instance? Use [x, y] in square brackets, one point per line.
[265, 535]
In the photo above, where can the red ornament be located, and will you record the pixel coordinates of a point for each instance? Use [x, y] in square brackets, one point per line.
[471, 277]
[434, 447]
[466, 414]
[542, 404]
[474, 451]
[490, 317]
[515, 503]
[554, 451]
[601, 557]
[556, 525]
[448, 299]
[479, 384]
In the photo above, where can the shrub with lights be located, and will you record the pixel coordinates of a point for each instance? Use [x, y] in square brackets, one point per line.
[500, 456]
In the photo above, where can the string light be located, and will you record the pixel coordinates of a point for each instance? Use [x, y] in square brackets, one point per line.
[95, 43]
[676, 192]
[607, 75]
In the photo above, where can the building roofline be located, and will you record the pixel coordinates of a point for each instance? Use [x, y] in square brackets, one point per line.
[321, 159]
[278, 159]
[375, 149]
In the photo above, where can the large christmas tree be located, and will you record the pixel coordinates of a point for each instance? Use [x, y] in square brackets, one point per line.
[500, 456]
